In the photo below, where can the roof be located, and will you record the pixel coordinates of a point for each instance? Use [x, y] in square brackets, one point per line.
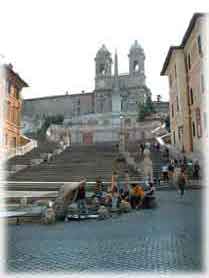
[9, 68]
[167, 59]
[57, 96]
[190, 27]
[184, 40]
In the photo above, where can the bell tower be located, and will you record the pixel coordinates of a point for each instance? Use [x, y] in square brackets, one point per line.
[136, 60]
[103, 67]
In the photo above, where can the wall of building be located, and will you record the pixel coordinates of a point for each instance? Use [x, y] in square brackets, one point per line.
[12, 108]
[110, 132]
[187, 88]
[67, 105]
[195, 85]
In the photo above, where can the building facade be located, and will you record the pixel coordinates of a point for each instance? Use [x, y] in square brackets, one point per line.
[114, 93]
[10, 90]
[100, 116]
[184, 66]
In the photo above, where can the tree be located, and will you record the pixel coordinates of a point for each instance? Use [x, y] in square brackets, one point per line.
[141, 112]
[149, 105]
[145, 109]
[48, 120]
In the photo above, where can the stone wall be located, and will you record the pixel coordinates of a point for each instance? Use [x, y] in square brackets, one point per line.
[67, 105]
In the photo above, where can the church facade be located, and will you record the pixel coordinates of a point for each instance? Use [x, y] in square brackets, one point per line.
[114, 93]
[100, 115]
[120, 93]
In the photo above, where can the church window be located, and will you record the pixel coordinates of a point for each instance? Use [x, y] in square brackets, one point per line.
[136, 66]
[102, 69]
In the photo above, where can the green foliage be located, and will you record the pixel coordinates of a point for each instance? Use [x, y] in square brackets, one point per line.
[145, 109]
[142, 112]
[149, 107]
[48, 120]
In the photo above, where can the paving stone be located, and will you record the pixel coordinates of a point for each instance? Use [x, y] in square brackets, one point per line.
[163, 240]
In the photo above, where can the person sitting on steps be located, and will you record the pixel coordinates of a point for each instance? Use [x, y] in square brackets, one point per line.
[136, 195]
[149, 196]
[98, 188]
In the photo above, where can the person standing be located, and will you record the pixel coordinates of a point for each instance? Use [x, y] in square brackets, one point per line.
[141, 151]
[81, 199]
[165, 172]
[171, 169]
[196, 170]
[114, 190]
[182, 182]
[115, 196]
[98, 188]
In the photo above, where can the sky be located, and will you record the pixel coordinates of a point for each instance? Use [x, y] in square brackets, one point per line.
[52, 44]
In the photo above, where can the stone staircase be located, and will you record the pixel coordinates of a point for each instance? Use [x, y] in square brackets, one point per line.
[43, 147]
[71, 165]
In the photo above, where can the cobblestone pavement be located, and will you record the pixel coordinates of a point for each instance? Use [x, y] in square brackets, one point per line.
[165, 239]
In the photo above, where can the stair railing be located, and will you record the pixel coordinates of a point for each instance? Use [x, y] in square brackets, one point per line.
[22, 150]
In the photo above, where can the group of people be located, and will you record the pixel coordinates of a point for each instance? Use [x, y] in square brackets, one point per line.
[120, 190]
[177, 172]
[154, 146]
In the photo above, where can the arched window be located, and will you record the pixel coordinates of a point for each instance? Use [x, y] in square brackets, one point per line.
[136, 66]
[102, 69]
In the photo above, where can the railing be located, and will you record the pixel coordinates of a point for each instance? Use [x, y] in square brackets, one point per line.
[22, 150]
